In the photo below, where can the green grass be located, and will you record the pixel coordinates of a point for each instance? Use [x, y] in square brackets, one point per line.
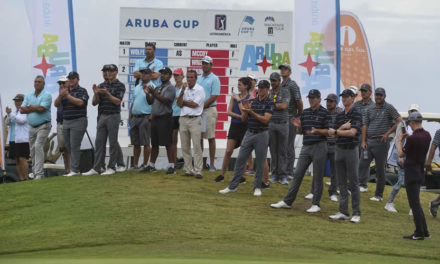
[155, 218]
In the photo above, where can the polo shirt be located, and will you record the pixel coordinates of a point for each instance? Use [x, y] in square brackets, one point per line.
[196, 95]
[436, 139]
[361, 107]
[211, 85]
[416, 147]
[117, 89]
[380, 119]
[140, 105]
[71, 111]
[282, 97]
[176, 108]
[318, 119]
[332, 123]
[295, 96]
[356, 122]
[143, 64]
[168, 91]
[260, 107]
[44, 99]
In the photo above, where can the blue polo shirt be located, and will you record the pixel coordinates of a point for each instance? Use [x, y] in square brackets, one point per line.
[211, 85]
[140, 105]
[143, 64]
[176, 108]
[44, 99]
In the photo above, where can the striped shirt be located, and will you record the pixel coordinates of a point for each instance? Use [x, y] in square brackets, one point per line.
[436, 140]
[379, 119]
[116, 89]
[362, 108]
[282, 97]
[71, 111]
[332, 123]
[295, 96]
[318, 119]
[260, 108]
[356, 122]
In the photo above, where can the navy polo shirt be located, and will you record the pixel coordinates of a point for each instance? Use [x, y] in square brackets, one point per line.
[260, 107]
[117, 89]
[356, 122]
[318, 119]
[71, 111]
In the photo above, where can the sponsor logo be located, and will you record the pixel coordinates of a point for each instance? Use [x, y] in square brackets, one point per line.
[272, 26]
[220, 22]
[269, 19]
[161, 23]
[263, 56]
[246, 26]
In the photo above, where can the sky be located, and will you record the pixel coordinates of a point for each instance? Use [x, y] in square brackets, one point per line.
[403, 37]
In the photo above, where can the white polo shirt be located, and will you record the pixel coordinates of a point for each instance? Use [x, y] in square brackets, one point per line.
[196, 95]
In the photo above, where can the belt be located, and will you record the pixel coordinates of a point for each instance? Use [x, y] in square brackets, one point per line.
[212, 106]
[73, 118]
[193, 116]
[161, 116]
[256, 131]
[106, 113]
[279, 121]
[347, 146]
[375, 137]
[45, 122]
[143, 115]
[331, 143]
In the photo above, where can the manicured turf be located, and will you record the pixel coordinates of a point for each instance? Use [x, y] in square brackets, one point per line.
[156, 218]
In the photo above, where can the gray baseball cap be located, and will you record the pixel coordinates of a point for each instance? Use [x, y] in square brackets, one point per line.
[275, 76]
[415, 116]
[332, 97]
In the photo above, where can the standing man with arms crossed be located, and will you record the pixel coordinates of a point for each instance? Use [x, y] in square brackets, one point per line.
[295, 109]
[313, 124]
[108, 96]
[191, 101]
[161, 99]
[415, 150]
[37, 107]
[211, 84]
[279, 130]
[73, 99]
[150, 62]
[346, 130]
[140, 118]
[377, 126]
[258, 112]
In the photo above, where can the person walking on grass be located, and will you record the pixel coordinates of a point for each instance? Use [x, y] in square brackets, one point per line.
[238, 127]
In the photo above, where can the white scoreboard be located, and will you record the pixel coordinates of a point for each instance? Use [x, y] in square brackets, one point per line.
[240, 42]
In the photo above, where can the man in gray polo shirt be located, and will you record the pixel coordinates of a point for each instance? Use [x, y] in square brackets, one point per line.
[295, 109]
[279, 129]
[362, 106]
[161, 99]
[379, 122]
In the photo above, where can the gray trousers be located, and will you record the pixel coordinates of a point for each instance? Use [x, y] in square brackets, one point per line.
[108, 126]
[251, 141]
[378, 150]
[37, 139]
[347, 162]
[316, 153]
[291, 148]
[333, 179]
[73, 131]
[278, 139]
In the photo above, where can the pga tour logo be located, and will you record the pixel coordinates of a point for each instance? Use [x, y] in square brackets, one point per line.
[220, 22]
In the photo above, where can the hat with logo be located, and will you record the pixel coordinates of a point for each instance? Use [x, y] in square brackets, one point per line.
[253, 77]
[414, 107]
[62, 79]
[109, 67]
[19, 97]
[275, 76]
[415, 116]
[314, 94]
[348, 92]
[263, 84]
[73, 75]
[146, 70]
[285, 66]
[166, 70]
[354, 89]
[178, 71]
[332, 97]
[365, 87]
[380, 90]
[207, 59]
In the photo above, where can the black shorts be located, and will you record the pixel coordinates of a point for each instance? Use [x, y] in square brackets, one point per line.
[162, 131]
[19, 150]
[176, 122]
[236, 132]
